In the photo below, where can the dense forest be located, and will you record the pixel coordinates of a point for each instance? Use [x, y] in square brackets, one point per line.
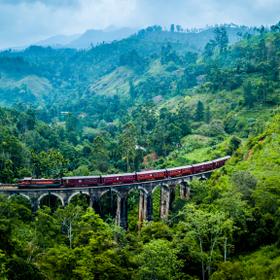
[152, 100]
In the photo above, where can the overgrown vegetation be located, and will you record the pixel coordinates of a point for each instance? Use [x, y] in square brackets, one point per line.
[154, 109]
[217, 234]
[174, 108]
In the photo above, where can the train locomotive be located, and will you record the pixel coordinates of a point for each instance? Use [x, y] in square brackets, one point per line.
[120, 179]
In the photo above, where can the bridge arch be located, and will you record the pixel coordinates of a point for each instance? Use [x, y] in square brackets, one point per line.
[159, 186]
[50, 193]
[78, 193]
[138, 188]
[108, 190]
[20, 194]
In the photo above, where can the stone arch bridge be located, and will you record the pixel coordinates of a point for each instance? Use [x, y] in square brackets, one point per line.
[146, 189]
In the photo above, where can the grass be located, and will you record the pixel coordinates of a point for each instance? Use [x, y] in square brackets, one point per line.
[116, 82]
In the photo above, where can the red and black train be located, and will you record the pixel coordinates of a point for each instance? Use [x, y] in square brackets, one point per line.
[127, 178]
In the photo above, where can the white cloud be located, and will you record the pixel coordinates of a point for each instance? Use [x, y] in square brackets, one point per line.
[25, 21]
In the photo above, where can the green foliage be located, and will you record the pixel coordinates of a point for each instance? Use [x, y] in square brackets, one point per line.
[208, 230]
[158, 261]
[148, 101]
[127, 145]
[263, 264]
[199, 113]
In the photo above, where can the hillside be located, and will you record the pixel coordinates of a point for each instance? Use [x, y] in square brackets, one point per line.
[178, 106]
[234, 215]
[69, 70]
[154, 100]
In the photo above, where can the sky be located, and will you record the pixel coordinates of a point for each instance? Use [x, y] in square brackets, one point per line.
[23, 22]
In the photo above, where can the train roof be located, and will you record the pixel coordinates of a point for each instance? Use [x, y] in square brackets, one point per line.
[179, 167]
[118, 175]
[222, 158]
[39, 179]
[174, 168]
[80, 177]
[186, 166]
[202, 163]
[151, 171]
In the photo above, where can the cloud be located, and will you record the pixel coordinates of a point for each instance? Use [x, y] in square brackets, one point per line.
[45, 2]
[26, 21]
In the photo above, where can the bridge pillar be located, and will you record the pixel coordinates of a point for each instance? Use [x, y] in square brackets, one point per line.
[165, 195]
[122, 214]
[65, 200]
[34, 204]
[142, 212]
[145, 207]
[184, 190]
[149, 207]
[94, 203]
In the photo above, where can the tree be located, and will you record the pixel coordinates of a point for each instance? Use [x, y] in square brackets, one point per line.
[248, 96]
[71, 123]
[46, 229]
[234, 143]
[207, 115]
[210, 230]
[127, 144]
[199, 113]
[49, 164]
[209, 48]
[276, 27]
[19, 268]
[172, 27]
[68, 218]
[155, 230]
[179, 28]
[100, 153]
[59, 262]
[183, 120]
[245, 182]
[158, 260]
[221, 38]
[3, 263]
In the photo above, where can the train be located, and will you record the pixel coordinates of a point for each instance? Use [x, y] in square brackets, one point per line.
[125, 178]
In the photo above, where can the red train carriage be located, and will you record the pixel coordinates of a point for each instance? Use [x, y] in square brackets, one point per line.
[38, 183]
[114, 179]
[151, 175]
[81, 181]
[87, 181]
[202, 167]
[187, 170]
[220, 162]
[174, 172]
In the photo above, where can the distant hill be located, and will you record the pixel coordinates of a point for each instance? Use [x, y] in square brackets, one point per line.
[89, 38]
[103, 70]
[195, 39]
[57, 41]
[94, 37]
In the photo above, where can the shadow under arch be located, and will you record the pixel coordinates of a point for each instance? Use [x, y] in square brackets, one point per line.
[156, 198]
[106, 206]
[80, 198]
[133, 201]
[52, 200]
[22, 199]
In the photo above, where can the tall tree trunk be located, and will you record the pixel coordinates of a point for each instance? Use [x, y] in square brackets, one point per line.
[202, 262]
[225, 250]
